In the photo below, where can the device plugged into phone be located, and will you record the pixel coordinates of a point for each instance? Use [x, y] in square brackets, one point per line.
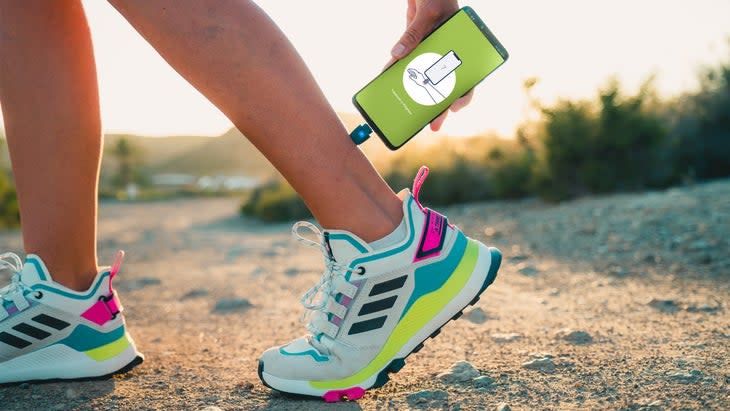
[413, 91]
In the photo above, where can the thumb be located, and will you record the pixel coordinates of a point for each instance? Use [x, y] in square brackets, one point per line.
[415, 32]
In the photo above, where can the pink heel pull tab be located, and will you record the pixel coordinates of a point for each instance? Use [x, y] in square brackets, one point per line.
[350, 394]
[116, 266]
[418, 182]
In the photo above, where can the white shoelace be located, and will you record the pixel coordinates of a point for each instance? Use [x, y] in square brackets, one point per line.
[318, 298]
[12, 292]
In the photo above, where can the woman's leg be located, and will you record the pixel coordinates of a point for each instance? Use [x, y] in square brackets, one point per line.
[236, 56]
[50, 104]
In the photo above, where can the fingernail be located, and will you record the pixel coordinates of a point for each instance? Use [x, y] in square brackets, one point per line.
[398, 50]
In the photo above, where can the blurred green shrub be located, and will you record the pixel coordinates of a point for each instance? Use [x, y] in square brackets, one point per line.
[9, 211]
[618, 142]
[701, 126]
[275, 202]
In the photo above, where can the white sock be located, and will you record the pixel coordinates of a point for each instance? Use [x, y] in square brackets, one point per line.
[391, 239]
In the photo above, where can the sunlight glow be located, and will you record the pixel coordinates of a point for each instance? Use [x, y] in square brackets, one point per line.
[572, 46]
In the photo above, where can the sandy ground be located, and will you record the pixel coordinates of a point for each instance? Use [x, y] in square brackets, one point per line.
[642, 280]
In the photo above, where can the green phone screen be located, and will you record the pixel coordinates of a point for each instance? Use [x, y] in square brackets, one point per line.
[414, 90]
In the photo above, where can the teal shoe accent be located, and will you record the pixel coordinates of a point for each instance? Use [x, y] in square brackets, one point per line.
[493, 267]
[431, 277]
[314, 354]
[41, 273]
[85, 338]
[342, 236]
[70, 295]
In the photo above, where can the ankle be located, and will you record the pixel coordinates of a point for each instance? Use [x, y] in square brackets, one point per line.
[73, 281]
[72, 274]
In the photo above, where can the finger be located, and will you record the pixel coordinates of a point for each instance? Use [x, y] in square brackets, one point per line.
[422, 23]
[411, 13]
[439, 121]
[462, 101]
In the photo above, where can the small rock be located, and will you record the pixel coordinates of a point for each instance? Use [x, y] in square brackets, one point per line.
[663, 305]
[616, 270]
[232, 304]
[587, 230]
[687, 377]
[476, 315]
[651, 259]
[704, 258]
[654, 405]
[194, 294]
[503, 406]
[245, 386]
[545, 365]
[139, 283]
[24, 386]
[706, 308]
[461, 371]
[574, 336]
[518, 257]
[554, 292]
[505, 337]
[292, 271]
[483, 381]
[211, 408]
[492, 232]
[699, 245]
[71, 393]
[426, 396]
[527, 269]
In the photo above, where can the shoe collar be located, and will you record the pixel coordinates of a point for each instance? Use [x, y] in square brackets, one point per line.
[345, 246]
[34, 271]
[36, 275]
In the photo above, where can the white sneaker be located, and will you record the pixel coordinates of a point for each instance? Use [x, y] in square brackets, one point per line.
[373, 308]
[49, 332]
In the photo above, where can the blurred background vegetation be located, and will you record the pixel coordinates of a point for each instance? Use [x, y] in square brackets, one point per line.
[615, 141]
[9, 212]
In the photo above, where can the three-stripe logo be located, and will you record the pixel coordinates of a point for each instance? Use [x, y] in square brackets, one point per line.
[26, 330]
[377, 305]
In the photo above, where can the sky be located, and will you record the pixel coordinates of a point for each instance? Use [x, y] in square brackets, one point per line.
[572, 46]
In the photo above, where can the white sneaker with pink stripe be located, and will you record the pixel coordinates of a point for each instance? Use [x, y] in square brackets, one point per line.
[49, 332]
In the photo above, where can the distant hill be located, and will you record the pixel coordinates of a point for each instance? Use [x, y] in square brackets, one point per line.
[228, 154]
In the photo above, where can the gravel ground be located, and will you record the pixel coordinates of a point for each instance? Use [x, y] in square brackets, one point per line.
[615, 302]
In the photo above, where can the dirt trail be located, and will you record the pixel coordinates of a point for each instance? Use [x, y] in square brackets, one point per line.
[642, 281]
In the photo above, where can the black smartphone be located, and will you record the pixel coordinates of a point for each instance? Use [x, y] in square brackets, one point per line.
[413, 91]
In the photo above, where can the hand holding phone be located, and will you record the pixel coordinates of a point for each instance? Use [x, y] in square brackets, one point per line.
[422, 16]
[416, 89]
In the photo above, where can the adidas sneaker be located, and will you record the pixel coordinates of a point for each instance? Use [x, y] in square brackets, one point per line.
[49, 332]
[374, 307]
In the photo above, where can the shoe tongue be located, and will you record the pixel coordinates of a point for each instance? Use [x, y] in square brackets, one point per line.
[343, 246]
[34, 270]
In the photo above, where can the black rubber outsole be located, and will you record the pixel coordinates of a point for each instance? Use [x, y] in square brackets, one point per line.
[398, 363]
[139, 359]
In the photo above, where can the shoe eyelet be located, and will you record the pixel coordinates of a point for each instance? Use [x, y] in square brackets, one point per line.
[38, 295]
[360, 270]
